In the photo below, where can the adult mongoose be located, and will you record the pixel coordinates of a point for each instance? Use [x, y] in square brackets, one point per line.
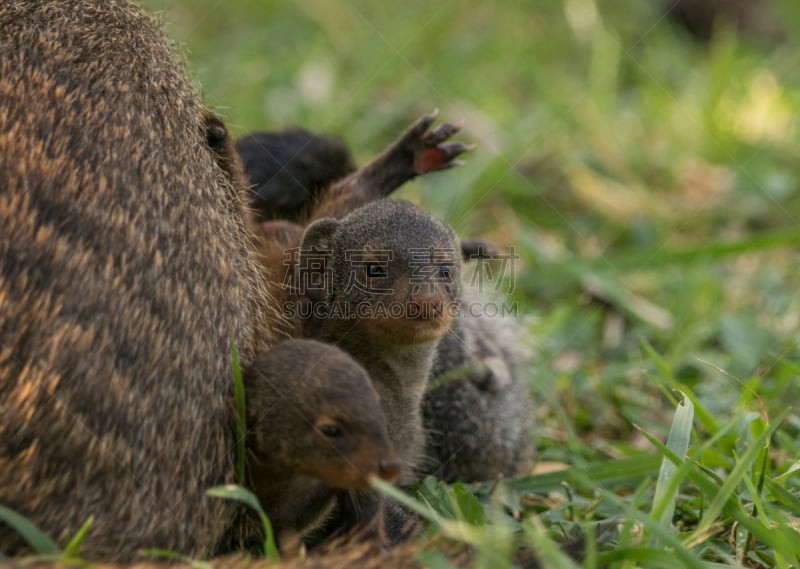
[125, 276]
[314, 425]
[382, 284]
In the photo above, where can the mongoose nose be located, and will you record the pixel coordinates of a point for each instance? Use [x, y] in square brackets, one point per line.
[425, 307]
[389, 469]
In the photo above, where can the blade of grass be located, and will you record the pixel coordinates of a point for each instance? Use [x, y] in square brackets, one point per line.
[736, 475]
[36, 538]
[678, 442]
[245, 496]
[74, 545]
[241, 418]
[609, 472]
[174, 556]
[644, 260]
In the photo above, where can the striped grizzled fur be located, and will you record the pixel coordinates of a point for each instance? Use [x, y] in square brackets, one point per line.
[125, 275]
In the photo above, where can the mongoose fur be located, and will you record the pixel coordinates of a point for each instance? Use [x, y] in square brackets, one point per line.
[125, 275]
[477, 412]
[314, 425]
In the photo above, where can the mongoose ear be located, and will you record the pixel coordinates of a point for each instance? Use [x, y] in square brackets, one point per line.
[215, 132]
[318, 234]
[316, 254]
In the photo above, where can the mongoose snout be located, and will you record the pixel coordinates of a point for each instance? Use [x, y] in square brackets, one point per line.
[425, 306]
[389, 469]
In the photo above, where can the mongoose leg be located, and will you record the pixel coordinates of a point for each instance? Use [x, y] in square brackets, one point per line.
[418, 151]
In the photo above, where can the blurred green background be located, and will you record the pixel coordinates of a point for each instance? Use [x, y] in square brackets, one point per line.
[649, 181]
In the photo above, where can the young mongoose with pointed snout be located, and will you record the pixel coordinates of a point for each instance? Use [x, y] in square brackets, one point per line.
[315, 424]
[418, 151]
[382, 284]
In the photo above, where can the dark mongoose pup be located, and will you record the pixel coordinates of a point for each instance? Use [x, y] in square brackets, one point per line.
[287, 169]
[419, 150]
[382, 284]
[314, 425]
[125, 275]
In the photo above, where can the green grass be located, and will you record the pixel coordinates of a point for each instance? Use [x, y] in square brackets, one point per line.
[650, 186]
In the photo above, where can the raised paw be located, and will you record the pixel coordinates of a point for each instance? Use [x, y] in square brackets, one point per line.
[419, 150]
[428, 147]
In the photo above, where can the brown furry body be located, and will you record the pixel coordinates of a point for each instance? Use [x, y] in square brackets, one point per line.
[125, 276]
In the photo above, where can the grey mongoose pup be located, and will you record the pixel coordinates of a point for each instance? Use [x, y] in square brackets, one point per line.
[382, 284]
[418, 151]
[125, 276]
[477, 412]
[314, 425]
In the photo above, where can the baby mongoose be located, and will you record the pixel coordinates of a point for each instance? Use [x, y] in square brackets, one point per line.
[291, 170]
[477, 412]
[382, 284]
[419, 150]
[315, 425]
[287, 169]
[125, 275]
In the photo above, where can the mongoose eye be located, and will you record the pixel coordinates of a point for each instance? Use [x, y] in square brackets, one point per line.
[444, 271]
[374, 270]
[330, 431]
